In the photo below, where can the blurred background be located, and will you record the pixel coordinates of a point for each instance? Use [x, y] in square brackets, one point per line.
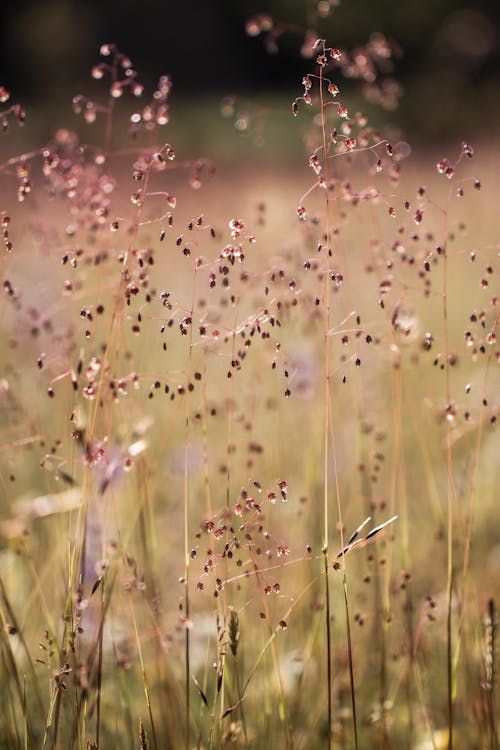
[449, 66]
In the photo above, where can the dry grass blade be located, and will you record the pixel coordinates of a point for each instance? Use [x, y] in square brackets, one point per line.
[200, 691]
[359, 543]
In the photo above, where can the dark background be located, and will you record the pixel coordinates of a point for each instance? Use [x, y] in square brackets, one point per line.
[450, 68]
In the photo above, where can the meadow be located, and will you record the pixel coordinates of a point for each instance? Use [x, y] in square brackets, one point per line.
[248, 430]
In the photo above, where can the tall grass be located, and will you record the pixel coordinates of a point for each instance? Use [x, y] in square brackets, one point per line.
[248, 438]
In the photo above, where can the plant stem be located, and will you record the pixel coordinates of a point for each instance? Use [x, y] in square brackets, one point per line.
[326, 453]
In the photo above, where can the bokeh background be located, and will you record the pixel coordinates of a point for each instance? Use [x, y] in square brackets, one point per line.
[449, 65]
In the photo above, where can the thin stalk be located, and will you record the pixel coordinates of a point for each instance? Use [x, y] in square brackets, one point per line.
[273, 635]
[385, 589]
[26, 741]
[9, 669]
[144, 676]
[351, 667]
[326, 452]
[283, 712]
[187, 558]
[99, 666]
[449, 467]
[14, 623]
[230, 414]
[474, 482]
[328, 646]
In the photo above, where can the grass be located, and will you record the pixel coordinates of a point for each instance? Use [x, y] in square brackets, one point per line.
[247, 438]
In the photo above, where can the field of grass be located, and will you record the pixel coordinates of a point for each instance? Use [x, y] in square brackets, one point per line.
[248, 438]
